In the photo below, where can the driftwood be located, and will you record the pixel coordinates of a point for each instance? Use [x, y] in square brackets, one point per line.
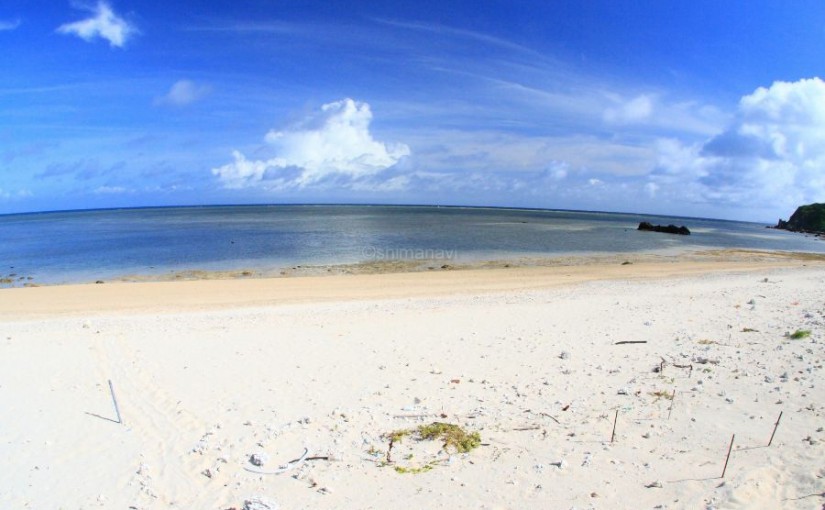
[630, 342]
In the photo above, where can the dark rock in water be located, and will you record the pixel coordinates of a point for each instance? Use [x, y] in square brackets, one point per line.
[808, 219]
[669, 229]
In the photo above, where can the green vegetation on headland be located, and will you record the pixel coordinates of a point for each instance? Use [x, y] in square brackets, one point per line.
[809, 219]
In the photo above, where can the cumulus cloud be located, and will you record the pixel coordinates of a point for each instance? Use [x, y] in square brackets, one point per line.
[183, 93]
[772, 154]
[104, 24]
[332, 145]
[9, 25]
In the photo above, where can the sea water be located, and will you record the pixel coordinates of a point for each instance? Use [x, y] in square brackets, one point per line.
[78, 246]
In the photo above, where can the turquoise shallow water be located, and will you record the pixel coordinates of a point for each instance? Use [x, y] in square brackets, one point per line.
[76, 246]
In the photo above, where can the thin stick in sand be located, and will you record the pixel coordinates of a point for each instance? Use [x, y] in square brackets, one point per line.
[775, 427]
[670, 409]
[613, 434]
[114, 400]
[732, 437]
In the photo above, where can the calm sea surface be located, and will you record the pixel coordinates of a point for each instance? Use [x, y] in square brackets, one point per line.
[77, 246]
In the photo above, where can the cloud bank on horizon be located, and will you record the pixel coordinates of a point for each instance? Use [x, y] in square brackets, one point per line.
[519, 107]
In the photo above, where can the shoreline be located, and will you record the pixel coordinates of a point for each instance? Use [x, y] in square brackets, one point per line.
[396, 266]
[199, 291]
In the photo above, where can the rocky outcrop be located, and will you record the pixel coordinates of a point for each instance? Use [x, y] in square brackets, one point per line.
[809, 219]
[669, 229]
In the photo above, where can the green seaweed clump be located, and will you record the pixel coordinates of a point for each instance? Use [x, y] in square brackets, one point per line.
[397, 435]
[413, 470]
[799, 334]
[452, 436]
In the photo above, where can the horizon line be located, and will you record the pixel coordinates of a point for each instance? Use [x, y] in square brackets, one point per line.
[350, 204]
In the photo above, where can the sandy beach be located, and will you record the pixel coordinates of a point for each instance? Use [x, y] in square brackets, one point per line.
[287, 392]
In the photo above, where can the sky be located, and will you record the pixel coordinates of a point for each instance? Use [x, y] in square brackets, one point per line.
[693, 108]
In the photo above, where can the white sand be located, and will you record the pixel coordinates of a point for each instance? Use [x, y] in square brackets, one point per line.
[208, 373]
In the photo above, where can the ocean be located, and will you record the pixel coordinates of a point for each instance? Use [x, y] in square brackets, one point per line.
[85, 246]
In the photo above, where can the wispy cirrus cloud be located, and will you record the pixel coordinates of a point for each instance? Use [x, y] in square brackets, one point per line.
[271, 27]
[104, 24]
[87, 169]
[637, 109]
[7, 25]
[467, 35]
[183, 93]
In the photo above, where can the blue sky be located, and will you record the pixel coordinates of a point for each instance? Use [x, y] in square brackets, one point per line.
[700, 108]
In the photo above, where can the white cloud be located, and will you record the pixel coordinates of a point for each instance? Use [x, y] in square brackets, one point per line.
[480, 150]
[772, 156]
[558, 171]
[104, 24]
[334, 144]
[397, 183]
[9, 25]
[243, 172]
[110, 190]
[637, 109]
[9, 195]
[183, 93]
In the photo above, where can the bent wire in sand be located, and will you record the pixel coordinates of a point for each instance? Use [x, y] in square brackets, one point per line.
[284, 468]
